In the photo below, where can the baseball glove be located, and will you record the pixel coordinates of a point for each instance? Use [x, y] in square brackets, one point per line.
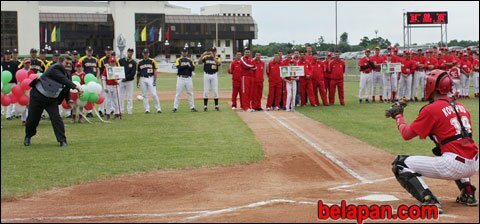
[396, 108]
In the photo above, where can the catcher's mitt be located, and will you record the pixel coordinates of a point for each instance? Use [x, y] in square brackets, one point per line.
[396, 108]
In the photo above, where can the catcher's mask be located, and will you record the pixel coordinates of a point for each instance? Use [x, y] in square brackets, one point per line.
[438, 80]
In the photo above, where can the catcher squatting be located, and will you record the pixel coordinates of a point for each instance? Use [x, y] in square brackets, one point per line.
[447, 123]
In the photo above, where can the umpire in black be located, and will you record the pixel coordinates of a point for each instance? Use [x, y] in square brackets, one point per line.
[47, 93]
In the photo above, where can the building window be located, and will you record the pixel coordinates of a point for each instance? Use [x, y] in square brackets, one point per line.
[227, 43]
[248, 14]
[229, 14]
[9, 31]
[227, 56]
[224, 14]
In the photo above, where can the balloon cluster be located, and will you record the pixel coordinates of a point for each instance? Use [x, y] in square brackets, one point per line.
[17, 93]
[91, 93]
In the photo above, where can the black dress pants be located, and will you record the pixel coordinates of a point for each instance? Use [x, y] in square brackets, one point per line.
[38, 103]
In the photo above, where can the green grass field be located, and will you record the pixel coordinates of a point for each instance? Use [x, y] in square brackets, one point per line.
[138, 143]
[368, 123]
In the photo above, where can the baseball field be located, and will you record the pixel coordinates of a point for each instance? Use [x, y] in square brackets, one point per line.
[227, 166]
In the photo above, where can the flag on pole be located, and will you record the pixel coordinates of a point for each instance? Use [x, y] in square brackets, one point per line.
[136, 35]
[144, 34]
[167, 36]
[160, 35]
[41, 33]
[54, 34]
[46, 35]
[59, 36]
[152, 34]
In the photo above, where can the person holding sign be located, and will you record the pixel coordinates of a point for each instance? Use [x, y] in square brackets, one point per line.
[388, 79]
[111, 89]
[291, 86]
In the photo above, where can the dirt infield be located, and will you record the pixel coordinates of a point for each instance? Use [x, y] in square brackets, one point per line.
[306, 162]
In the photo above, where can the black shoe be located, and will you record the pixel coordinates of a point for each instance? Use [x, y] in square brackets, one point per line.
[89, 114]
[26, 142]
[217, 109]
[100, 113]
[467, 199]
[9, 118]
[367, 101]
[259, 109]
[205, 109]
[63, 144]
[359, 101]
[194, 110]
[174, 110]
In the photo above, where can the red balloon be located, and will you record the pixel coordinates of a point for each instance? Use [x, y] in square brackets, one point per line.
[23, 100]
[73, 96]
[13, 98]
[17, 90]
[65, 105]
[88, 106]
[21, 75]
[33, 76]
[5, 100]
[26, 84]
[100, 100]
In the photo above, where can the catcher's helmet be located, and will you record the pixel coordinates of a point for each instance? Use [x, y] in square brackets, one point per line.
[438, 80]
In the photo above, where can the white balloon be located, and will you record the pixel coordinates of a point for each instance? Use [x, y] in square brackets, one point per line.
[19, 108]
[94, 87]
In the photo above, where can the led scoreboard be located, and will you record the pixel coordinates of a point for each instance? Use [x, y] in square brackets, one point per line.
[427, 18]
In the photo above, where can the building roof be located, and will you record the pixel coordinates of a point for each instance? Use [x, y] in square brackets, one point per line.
[73, 17]
[209, 19]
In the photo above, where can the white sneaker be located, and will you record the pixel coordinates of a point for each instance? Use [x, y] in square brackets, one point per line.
[288, 110]
[234, 108]
[250, 110]
[277, 108]
[269, 108]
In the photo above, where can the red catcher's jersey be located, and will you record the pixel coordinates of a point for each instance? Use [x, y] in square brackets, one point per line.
[440, 120]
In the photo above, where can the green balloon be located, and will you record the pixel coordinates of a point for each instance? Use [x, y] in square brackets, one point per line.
[76, 78]
[39, 74]
[6, 88]
[93, 97]
[89, 78]
[85, 97]
[6, 76]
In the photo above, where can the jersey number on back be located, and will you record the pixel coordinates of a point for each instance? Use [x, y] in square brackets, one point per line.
[458, 127]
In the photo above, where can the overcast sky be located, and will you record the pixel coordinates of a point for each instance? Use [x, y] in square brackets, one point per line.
[306, 21]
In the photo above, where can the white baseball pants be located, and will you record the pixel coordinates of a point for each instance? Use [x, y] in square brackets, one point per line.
[112, 98]
[126, 90]
[147, 87]
[377, 77]
[291, 94]
[210, 82]
[457, 87]
[188, 84]
[419, 81]
[365, 85]
[405, 84]
[465, 81]
[387, 85]
[475, 81]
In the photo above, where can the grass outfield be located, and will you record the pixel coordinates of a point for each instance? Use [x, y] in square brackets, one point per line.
[368, 123]
[138, 143]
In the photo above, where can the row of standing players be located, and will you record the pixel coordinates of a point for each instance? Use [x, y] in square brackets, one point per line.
[415, 65]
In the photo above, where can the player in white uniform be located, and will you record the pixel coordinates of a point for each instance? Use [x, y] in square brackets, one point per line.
[448, 124]
[185, 68]
[211, 65]
[475, 73]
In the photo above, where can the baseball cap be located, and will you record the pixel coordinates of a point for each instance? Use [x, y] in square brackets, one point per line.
[27, 60]
[56, 53]
[469, 49]
[15, 51]
[130, 50]
[67, 53]
[89, 48]
[111, 59]
[33, 50]
[329, 53]
[377, 48]
[389, 48]
[78, 64]
[74, 52]
[108, 48]
[395, 49]
[406, 52]
[419, 49]
[42, 51]
[213, 49]
[367, 50]
[389, 54]
[8, 52]
[434, 47]
[146, 51]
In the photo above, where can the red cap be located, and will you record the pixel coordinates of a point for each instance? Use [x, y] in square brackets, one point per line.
[434, 47]
[395, 49]
[111, 59]
[406, 51]
[78, 64]
[329, 53]
[468, 49]
[367, 50]
[27, 60]
[389, 48]
[419, 49]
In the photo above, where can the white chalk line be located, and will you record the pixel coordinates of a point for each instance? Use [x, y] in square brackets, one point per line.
[197, 214]
[321, 150]
[361, 183]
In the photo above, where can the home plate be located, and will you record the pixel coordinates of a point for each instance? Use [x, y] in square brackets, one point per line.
[379, 197]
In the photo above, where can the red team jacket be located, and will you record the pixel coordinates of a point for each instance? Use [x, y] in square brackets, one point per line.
[466, 66]
[439, 119]
[273, 72]
[408, 64]
[430, 61]
[379, 60]
[364, 62]
[236, 70]
[111, 82]
[420, 60]
[247, 65]
[260, 65]
[318, 70]
[338, 69]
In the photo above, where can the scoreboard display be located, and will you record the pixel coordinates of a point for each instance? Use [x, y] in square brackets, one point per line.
[427, 18]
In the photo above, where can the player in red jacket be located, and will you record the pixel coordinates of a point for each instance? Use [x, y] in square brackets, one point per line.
[258, 83]
[306, 88]
[338, 70]
[274, 83]
[236, 70]
[405, 82]
[248, 78]
[318, 80]
[366, 66]
[448, 123]
[327, 72]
